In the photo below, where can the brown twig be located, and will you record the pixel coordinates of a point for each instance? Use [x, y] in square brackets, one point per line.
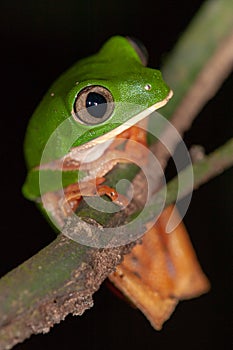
[207, 83]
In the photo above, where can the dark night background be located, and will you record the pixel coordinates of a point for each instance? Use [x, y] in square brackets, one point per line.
[40, 39]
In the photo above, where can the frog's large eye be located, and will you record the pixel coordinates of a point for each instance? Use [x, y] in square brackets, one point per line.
[140, 49]
[93, 105]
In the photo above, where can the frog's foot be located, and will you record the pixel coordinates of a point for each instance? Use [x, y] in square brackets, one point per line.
[168, 257]
[75, 192]
[116, 197]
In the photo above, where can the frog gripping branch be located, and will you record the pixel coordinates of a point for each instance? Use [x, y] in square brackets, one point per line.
[74, 139]
[85, 109]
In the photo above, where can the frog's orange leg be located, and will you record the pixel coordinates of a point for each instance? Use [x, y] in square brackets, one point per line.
[161, 271]
[75, 192]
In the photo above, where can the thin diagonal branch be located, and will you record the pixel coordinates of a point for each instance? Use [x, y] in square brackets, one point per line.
[204, 87]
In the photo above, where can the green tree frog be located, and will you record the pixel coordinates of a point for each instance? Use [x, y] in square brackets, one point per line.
[81, 129]
[80, 118]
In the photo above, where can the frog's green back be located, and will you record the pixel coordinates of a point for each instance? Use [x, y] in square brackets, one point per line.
[118, 68]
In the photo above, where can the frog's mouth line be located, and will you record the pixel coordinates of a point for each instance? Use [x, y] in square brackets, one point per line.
[77, 154]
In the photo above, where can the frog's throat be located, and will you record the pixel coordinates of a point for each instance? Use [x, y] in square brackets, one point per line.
[76, 154]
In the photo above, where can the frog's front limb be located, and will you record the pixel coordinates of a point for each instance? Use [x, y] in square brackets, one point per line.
[61, 204]
[75, 192]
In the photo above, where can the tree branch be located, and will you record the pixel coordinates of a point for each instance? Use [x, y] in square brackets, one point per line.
[62, 277]
[204, 87]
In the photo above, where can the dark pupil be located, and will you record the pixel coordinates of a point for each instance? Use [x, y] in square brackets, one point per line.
[96, 104]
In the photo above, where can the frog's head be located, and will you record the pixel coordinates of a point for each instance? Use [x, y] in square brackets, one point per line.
[96, 96]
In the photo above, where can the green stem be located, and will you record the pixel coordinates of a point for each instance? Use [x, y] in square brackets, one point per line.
[62, 277]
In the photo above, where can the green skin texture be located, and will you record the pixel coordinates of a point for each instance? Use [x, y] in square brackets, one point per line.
[116, 67]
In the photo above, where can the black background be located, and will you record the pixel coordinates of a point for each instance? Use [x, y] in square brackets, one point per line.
[40, 39]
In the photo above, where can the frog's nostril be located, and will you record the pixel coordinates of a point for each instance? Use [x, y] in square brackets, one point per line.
[147, 87]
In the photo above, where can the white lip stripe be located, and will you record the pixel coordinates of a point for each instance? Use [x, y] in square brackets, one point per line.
[134, 120]
[76, 152]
